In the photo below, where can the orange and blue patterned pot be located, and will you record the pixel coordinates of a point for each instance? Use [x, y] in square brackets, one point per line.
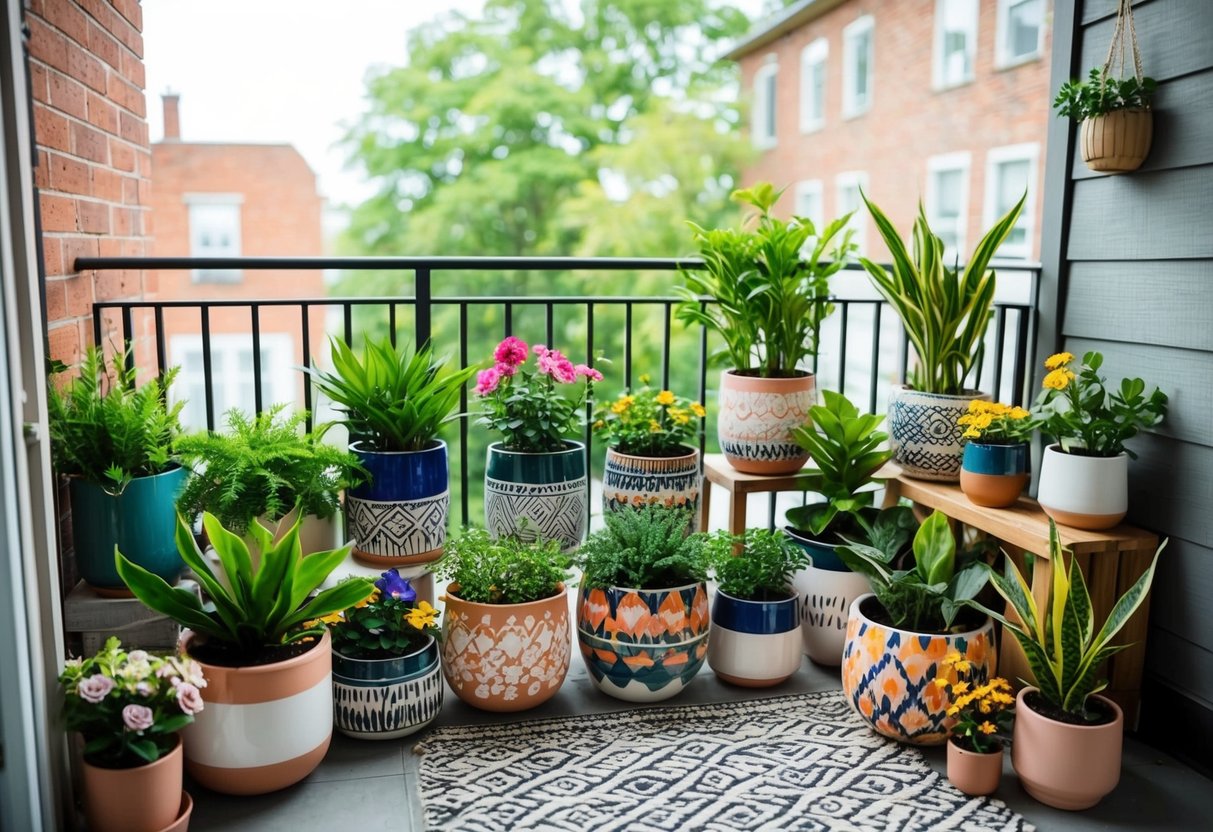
[888, 674]
[643, 645]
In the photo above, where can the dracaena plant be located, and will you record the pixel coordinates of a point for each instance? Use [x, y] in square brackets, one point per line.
[1101, 94]
[1063, 648]
[945, 310]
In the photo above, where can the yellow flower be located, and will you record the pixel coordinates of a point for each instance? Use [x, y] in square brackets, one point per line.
[654, 426]
[987, 727]
[665, 397]
[374, 596]
[960, 687]
[697, 409]
[962, 666]
[952, 657]
[967, 419]
[971, 433]
[976, 406]
[622, 404]
[599, 425]
[1018, 413]
[941, 683]
[1056, 360]
[331, 618]
[679, 415]
[422, 615]
[983, 421]
[953, 711]
[1059, 379]
[984, 706]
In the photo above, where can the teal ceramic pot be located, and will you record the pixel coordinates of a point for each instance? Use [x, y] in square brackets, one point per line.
[141, 521]
[822, 553]
[384, 699]
[994, 475]
[537, 495]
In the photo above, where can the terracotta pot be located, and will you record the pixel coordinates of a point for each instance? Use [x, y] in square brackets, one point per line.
[265, 727]
[385, 699]
[888, 674]
[994, 475]
[399, 517]
[634, 481]
[145, 798]
[756, 419]
[505, 657]
[974, 773]
[1066, 766]
[755, 644]
[1117, 142]
[826, 596]
[926, 441]
[1084, 492]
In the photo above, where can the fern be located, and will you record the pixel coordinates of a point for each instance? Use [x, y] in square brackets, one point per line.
[646, 548]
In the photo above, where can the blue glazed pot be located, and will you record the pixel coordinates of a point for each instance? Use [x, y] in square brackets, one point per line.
[383, 699]
[755, 644]
[994, 475]
[141, 521]
[399, 517]
[822, 553]
[537, 495]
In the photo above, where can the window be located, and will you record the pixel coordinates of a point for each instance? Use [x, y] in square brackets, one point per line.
[214, 232]
[955, 42]
[1020, 31]
[813, 85]
[231, 374]
[849, 199]
[763, 125]
[948, 201]
[808, 203]
[858, 58]
[1009, 172]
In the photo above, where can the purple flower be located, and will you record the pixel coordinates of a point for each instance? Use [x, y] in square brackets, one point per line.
[399, 588]
[95, 688]
[189, 699]
[138, 717]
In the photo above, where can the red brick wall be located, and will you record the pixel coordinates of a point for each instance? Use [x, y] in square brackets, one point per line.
[94, 164]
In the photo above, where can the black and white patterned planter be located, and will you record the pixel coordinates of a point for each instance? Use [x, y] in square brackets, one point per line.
[923, 432]
[384, 699]
[399, 518]
[537, 496]
[634, 481]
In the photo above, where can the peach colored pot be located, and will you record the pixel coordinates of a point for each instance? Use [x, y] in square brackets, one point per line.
[756, 419]
[1066, 766]
[264, 727]
[974, 773]
[1117, 142]
[146, 798]
[505, 657]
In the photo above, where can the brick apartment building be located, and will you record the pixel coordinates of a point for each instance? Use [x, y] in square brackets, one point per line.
[946, 101]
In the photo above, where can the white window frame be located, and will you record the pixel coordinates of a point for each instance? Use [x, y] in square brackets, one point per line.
[281, 387]
[214, 199]
[850, 107]
[815, 54]
[815, 188]
[761, 139]
[1002, 57]
[1029, 152]
[845, 181]
[946, 163]
[939, 78]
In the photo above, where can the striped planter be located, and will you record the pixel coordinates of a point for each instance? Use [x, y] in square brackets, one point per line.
[826, 596]
[756, 419]
[384, 699]
[537, 496]
[754, 644]
[1117, 142]
[399, 517]
[634, 481]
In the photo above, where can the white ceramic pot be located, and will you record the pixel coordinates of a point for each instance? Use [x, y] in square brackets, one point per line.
[825, 603]
[1084, 492]
[923, 433]
[755, 644]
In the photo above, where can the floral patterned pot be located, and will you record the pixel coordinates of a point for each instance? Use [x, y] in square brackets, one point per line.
[756, 419]
[638, 480]
[145, 798]
[643, 645]
[505, 657]
[994, 475]
[974, 773]
[384, 699]
[1084, 492]
[826, 596]
[754, 644]
[888, 674]
[923, 433]
[399, 517]
[549, 491]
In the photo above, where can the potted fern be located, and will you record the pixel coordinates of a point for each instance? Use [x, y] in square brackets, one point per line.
[113, 440]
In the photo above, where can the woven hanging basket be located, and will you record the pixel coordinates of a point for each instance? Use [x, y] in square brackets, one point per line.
[1119, 141]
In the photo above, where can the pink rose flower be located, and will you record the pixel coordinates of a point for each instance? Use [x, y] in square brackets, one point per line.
[487, 381]
[588, 372]
[511, 351]
[138, 717]
[540, 350]
[95, 688]
[189, 699]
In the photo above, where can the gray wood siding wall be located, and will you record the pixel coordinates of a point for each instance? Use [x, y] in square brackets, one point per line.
[1137, 285]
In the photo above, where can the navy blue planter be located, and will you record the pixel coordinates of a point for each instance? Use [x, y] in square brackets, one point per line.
[399, 517]
[822, 553]
[755, 643]
[549, 491]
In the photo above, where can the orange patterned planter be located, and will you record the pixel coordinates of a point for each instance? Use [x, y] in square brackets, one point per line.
[757, 416]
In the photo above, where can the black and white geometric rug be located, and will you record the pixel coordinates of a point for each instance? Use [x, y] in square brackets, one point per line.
[803, 762]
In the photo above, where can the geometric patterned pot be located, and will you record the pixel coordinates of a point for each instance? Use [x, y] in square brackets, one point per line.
[633, 481]
[757, 416]
[926, 441]
[399, 517]
[384, 699]
[549, 491]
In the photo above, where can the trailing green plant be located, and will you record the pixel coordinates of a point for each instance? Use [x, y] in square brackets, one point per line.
[927, 597]
[264, 466]
[1064, 650]
[1101, 94]
[391, 623]
[945, 311]
[393, 401]
[846, 448]
[263, 606]
[768, 297]
[643, 548]
[503, 571]
[761, 571]
[108, 429]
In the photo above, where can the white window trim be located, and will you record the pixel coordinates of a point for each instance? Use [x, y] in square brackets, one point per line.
[938, 81]
[280, 345]
[215, 198]
[815, 187]
[857, 27]
[760, 139]
[817, 52]
[859, 222]
[1030, 152]
[1003, 60]
[961, 161]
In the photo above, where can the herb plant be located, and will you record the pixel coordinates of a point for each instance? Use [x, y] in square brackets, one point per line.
[389, 624]
[503, 571]
[762, 571]
[645, 548]
[108, 429]
[982, 712]
[1101, 94]
[995, 423]
[648, 422]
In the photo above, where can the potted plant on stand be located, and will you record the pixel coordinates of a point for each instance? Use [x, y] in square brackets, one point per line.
[642, 611]
[394, 406]
[505, 634]
[113, 439]
[129, 708]
[1066, 747]
[1084, 476]
[756, 640]
[945, 312]
[768, 302]
[535, 480]
[994, 468]
[982, 714]
[265, 657]
[386, 677]
[648, 459]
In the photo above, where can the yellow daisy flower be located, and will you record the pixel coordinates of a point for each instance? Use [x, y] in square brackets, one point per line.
[1059, 379]
[941, 683]
[422, 615]
[987, 728]
[698, 410]
[1056, 360]
[665, 397]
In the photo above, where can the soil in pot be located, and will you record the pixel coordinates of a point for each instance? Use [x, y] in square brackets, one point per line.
[1102, 713]
[223, 654]
[966, 620]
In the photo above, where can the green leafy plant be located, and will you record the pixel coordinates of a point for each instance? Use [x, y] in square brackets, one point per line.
[264, 466]
[388, 624]
[761, 571]
[648, 422]
[1101, 94]
[107, 428]
[643, 548]
[768, 298]
[1086, 418]
[269, 605]
[945, 311]
[503, 571]
[1063, 648]
[927, 597]
[393, 401]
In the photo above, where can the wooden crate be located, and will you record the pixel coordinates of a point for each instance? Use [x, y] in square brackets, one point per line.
[95, 619]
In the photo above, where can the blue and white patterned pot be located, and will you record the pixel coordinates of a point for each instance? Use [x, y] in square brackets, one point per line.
[549, 491]
[755, 644]
[383, 699]
[825, 603]
[923, 433]
[399, 517]
[634, 481]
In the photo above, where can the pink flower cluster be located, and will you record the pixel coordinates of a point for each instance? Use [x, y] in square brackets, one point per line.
[512, 352]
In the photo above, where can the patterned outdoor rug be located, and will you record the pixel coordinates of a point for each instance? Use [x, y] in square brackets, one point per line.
[802, 762]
